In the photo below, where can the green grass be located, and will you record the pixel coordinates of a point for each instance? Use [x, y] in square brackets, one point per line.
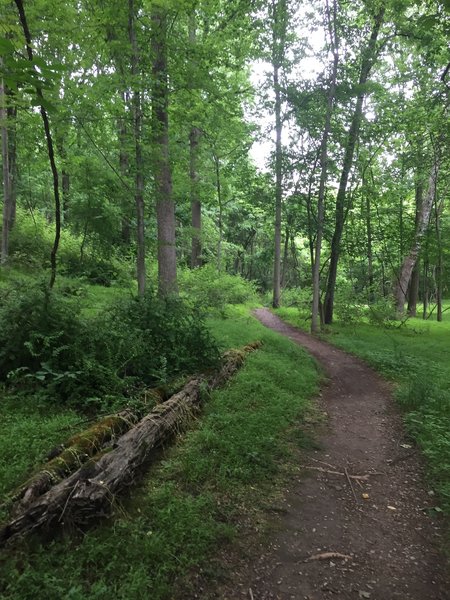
[417, 357]
[228, 463]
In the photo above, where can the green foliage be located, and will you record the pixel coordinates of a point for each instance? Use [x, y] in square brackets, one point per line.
[46, 344]
[155, 339]
[31, 241]
[382, 312]
[206, 288]
[186, 506]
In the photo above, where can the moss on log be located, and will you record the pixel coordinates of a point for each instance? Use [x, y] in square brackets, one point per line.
[90, 491]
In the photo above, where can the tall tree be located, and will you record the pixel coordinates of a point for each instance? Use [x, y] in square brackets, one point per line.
[409, 261]
[367, 61]
[49, 140]
[6, 175]
[334, 44]
[279, 20]
[165, 206]
[139, 164]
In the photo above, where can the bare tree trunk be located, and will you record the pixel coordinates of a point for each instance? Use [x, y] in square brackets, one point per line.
[285, 257]
[410, 260]
[6, 179]
[165, 207]
[220, 202]
[139, 166]
[371, 294]
[279, 9]
[369, 56]
[50, 149]
[413, 292]
[12, 158]
[194, 140]
[124, 167]
[439, 265]
[324, 169]
[196, 207]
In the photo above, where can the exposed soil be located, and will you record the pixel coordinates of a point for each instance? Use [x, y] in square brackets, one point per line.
[385, 545]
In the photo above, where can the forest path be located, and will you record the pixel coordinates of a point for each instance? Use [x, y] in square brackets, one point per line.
[393, 544]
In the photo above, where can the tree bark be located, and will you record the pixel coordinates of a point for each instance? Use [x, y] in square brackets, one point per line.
[324, 170]
[6, 176]
[89, 492]
[194, 140]
[12, 157]
[439, 207]
[368, 60]
[50, 147]
[413, 292]
[165, 207]
[278, 49]
[196, 207]
[220, 203]
[139, 165]
[411, 259]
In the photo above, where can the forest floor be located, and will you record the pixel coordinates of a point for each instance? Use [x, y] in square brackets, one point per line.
[339, 536]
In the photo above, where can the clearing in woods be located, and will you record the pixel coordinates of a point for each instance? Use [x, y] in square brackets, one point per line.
[356, 526]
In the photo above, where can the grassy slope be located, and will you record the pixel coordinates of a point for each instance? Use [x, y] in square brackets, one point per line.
[187, 504]
[417, 357]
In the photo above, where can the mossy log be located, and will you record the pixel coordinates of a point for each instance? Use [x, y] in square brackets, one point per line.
[91, 490]
[68, 457]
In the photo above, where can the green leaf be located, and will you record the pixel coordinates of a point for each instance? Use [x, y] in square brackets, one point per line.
[6, 46]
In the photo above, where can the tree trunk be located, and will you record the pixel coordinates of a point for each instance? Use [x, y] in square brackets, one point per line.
[285, 258]
[368, 60]
[196, 207]
[139, 166]
[50, 149]
[124, 168]
[6, 176]
[410, 260]
[12, 158]
[220, 203]
[439, 265]
[323, 170]
[413, 292]
[279, 10]
[165, 207]
[194, 140]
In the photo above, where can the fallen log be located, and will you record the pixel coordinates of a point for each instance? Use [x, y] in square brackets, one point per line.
[68, 457]
[91, 490]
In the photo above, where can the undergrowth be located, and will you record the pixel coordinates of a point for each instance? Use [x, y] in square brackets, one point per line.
[222, 469]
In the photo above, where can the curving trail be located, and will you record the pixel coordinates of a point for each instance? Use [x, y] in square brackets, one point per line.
[392, 544]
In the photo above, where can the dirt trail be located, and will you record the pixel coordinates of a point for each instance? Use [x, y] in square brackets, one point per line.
[393, 544]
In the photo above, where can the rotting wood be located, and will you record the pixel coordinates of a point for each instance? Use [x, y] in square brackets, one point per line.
[68, 457]
[92, 489]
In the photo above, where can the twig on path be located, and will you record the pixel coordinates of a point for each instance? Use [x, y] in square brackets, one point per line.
[250, 593]
[350, 484]
[328, 555]
[323, 463]
[358, 478]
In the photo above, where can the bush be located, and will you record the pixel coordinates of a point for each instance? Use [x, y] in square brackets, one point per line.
[382, 313]
[155, 339]
[46, 344]
[206, 288]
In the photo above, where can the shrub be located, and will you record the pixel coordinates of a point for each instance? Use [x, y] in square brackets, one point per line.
[155, 339]
[382, 312]
[46, 344]
[206, 288]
